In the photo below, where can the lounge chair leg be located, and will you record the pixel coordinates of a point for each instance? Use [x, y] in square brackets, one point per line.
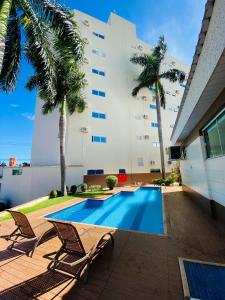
[86, 273]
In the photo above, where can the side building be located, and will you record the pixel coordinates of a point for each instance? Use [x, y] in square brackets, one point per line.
[117, 133]
[200, 125]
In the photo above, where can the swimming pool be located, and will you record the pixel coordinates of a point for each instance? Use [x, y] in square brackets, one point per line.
[139, 211]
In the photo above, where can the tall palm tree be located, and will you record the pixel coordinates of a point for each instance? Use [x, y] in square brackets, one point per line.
[54, 48]
[38, 19]
[68, 98]
[151, 77]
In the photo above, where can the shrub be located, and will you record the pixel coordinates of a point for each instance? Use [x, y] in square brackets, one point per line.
[73, 189]
[59, 193]
[111, 181]
[94, 187]
[168, 181]
[157, 181]
[83, 187]
[53, 194]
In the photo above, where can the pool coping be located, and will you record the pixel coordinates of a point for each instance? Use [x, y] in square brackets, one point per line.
[184, 276]
[164, 235]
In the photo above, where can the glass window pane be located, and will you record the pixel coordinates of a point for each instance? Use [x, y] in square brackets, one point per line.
[212, 140]
[221, 128]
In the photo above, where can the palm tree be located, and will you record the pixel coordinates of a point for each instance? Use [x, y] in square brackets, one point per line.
[37, 18]
[68, 98]
[53, 47]
[151, 77]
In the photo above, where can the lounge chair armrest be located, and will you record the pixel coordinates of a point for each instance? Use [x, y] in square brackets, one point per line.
[94, 248]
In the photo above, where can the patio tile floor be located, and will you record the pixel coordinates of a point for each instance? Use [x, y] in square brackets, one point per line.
[141, 266]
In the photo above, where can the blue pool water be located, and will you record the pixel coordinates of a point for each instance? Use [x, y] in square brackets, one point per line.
[140, 211]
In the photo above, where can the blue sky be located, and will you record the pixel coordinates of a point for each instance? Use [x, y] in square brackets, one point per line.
[179, 21]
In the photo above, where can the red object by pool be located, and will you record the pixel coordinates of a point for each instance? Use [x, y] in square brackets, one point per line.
[12, 162]
[122, 178]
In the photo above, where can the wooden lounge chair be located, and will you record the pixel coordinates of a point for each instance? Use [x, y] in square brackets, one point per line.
[25, 233]
[81, 246]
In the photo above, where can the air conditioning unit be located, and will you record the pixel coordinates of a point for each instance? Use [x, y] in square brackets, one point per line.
[144, 98]
[145, 117]
[86, 23]
[86, 61]
[84, 130]
[86, 41]
[146, 137]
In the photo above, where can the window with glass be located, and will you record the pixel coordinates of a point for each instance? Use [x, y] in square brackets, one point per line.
[98, 115]
[99, 35]
[98, 93]
[98, 72]
[152, 106]
[98, 52]
[214, 135]
[99, 139]
[154, 124]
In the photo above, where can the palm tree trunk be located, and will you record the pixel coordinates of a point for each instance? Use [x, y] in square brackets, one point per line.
[159, 121]
[5, 9]
[62, 140]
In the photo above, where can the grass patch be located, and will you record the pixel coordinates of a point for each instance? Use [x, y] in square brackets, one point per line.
[43, 204]
[50, 202]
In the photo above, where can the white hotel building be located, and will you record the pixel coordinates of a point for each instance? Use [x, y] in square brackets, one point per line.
[117, 132]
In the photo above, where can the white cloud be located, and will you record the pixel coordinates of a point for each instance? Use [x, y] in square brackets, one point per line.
[14, 105]
[28, 116]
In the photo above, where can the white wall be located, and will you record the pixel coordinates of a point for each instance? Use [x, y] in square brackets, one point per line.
[193, 168]
[35, 182]
[205, 176]
[216, 175]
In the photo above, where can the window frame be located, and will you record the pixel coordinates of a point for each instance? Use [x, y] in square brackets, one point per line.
[214, 119]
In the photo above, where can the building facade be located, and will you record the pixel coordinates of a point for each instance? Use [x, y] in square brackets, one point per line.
[117, 133]
[200, 126]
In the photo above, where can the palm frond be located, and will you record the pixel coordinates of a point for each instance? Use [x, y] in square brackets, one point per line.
[75, 103]
[160, 50]
[60, 19]
[38, 49]
[12, 54]
[161, 95]
[136, 90]
[141, 60]
[32, 83]
[173, 75]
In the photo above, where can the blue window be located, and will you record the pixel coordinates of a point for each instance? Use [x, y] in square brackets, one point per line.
[122, 171]
[101, 94]
[99, 139]
[153, 106]
[95, 172]
[103, 139]
[151, 88]
[99, 172]
[183, 85]
[98, 72]
[101, 36]
[98, 115]
[154, 124]
[98, 93]
[91, 172]
[95, 92]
